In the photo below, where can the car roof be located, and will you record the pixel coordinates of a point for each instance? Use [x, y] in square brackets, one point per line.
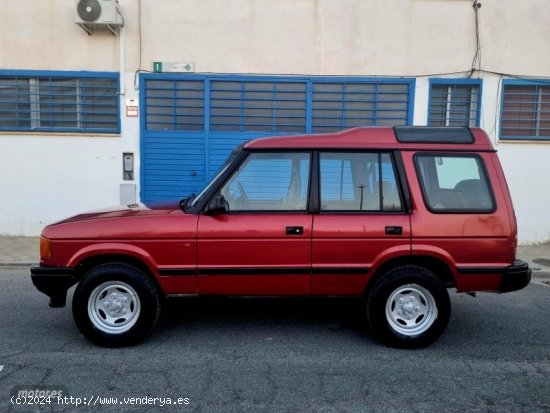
[402, 138]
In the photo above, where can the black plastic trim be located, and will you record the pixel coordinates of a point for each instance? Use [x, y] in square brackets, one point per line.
[284, 271]
[342, 271]
[481, 270]
[54, 282]
[403, 183]
[433, 134]
[516, 276]
[314, 185]
[180, 272]
[255, 271]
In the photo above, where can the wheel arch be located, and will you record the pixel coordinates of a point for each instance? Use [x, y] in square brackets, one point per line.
[92, 261]
[437, 266]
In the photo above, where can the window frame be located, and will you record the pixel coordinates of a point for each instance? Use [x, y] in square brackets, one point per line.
[32, 77]
[397, 167]
[484, 174]
[520, 82]
[450, 82]
[241, 160]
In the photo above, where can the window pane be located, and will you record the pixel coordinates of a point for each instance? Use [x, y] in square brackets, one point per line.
[358, 182]
[98, 103]
[269, 182]
[258, 106]
[174, 105]
[525, 111]
[339, 106]
[14, 104]
[59, 103]
[454, 105]
[454, 183]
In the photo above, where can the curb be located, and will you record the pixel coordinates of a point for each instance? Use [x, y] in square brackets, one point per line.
[17, 264]
[540, 276]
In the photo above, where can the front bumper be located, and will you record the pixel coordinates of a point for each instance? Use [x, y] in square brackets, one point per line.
[516, 276]
[54, 282]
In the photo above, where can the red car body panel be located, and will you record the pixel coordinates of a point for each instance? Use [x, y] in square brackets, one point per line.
[256, 245]
[357, 243]
[334, 253]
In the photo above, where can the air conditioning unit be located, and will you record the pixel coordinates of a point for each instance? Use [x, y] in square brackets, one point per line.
[98, 14]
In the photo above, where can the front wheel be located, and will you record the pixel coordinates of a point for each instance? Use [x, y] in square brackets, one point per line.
[115, 305]
[408, 307]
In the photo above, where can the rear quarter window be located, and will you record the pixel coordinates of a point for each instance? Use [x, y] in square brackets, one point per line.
[454, 183]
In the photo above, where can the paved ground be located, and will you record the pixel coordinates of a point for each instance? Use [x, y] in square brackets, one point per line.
[282, 355]
[19, 250]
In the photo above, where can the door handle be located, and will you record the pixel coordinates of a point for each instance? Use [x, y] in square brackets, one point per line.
[394, 230]
[294, 230]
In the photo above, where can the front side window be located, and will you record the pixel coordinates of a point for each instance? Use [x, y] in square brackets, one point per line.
[358, 182]
[454, 183]
[270, 181]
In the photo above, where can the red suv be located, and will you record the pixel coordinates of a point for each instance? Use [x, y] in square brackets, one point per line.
[393, 215]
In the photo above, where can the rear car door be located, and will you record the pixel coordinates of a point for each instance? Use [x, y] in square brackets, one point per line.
[362, 219]
[461, 214]
[261, 244]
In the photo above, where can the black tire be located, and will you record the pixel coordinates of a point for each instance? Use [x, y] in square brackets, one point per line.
[408, 307]
[115, 304]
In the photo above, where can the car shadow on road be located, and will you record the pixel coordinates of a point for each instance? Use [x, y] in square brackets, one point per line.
[273, 313]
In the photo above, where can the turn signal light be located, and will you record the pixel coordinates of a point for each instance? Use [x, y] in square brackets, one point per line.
[45, 248]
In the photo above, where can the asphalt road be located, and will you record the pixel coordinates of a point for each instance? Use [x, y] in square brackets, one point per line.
[281, 355]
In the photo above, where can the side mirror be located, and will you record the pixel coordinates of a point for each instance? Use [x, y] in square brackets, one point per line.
[217, 205]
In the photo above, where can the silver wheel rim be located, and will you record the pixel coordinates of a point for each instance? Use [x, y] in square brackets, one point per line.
[114, 307]
[411, 310]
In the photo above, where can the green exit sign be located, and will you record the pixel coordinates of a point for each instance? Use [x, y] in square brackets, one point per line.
[173, 67]
[157, 67]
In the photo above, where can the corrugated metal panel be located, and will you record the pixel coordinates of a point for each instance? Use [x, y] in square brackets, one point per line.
[173, 165]
[190, 123]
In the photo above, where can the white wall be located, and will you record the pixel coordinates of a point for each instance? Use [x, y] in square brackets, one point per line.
[525, 164]
[44, 177]
[47, 177]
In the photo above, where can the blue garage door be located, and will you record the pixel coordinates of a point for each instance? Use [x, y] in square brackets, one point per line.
[190, 123]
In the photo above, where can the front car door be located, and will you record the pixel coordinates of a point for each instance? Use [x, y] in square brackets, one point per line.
[261, 243]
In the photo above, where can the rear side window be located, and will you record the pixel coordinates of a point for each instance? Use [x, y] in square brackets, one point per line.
[454, 183]
[355, 181]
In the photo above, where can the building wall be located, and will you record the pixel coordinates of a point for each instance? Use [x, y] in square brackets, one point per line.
[44, 177]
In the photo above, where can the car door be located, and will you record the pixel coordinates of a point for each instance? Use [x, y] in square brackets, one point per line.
[362, 219]
[260, 243]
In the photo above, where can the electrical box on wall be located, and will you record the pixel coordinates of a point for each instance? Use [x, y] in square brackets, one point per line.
[127, 194]
[128, 166]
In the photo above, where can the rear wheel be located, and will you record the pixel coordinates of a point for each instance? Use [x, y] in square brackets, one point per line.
[115, 304]
[408, 307]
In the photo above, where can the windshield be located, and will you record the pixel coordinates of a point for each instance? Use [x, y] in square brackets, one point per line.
[220, 172]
